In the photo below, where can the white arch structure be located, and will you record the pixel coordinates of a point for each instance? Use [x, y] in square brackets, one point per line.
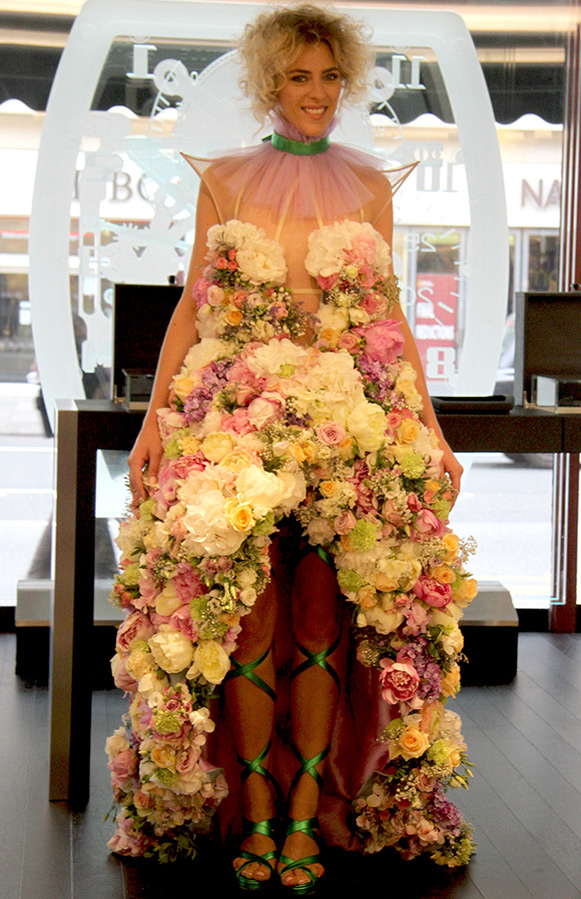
[102, 21]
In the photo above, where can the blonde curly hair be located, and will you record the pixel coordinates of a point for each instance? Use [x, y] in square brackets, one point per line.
[270, 45]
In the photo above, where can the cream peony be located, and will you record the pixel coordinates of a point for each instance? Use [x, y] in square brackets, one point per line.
[261, 489]
[262, 260]
[172, 650]
[367, 423]
[210, 660]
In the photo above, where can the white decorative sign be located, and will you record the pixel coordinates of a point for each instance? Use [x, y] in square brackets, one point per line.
[91, 162]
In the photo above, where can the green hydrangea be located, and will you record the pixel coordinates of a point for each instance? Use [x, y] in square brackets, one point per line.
[442, 508]
[172, 449]
[438, 752]
[363, 535]
[287, 370]
[131, 575]
[265, 525]
[167, 722]
[349, 580]
[165, 777]
[412, 465]
[146, 509]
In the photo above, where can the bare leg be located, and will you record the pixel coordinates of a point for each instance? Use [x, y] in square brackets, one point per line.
[251, 709]
[314, 693]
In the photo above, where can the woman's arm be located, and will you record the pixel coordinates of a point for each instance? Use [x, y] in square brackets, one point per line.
[450, 464]
[180, 336]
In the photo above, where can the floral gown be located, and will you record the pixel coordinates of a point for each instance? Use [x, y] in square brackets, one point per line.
[276, 414]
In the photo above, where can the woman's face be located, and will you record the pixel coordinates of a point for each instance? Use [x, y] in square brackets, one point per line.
[310, 92]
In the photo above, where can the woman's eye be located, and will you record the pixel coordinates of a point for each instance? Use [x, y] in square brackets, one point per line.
[332, 76]
[298, 79]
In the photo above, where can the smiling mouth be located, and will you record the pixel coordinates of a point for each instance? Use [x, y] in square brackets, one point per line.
[315, 110]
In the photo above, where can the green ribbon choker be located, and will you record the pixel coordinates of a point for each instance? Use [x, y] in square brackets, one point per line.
[297, 147]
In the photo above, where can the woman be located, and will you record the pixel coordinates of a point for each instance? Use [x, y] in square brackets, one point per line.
[251, 436]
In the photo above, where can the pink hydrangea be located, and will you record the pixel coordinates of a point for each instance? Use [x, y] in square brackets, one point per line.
[383, 341]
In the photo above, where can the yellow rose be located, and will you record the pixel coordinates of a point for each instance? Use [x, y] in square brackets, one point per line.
[443, 574]
[451, 681]
[330, 336]
[239, 515]
[408, 431]
[182, 386]
[164, 757]
[454, 758]
[233, 316]
[406, 381]
[385, 583]
[211, 661]
[451, 545]
[412, 743]
[329, 488]
[217, 446]
[466, 592]
[296, 451]
[346, 447]
[367, 597]
[310, 451]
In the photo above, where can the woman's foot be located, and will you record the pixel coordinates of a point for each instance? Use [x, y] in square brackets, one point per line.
[300, 846]
[257, 860]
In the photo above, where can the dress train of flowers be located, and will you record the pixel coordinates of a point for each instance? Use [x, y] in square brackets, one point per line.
[259, 427]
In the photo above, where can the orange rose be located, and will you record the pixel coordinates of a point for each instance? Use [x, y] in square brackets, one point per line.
[233, 316]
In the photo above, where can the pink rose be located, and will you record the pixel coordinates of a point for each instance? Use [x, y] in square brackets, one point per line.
[383, 341]
[344, 522]
[433, 593]
[349, 341]
[369, 303]
[330, 433]
[123, 766]
[135, 627]
[187, 761]
[414, 505]
[427, 525]
[399, 681]
[126, 840]
[121, 678]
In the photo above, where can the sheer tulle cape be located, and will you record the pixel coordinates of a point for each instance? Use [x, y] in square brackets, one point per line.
[323, 187]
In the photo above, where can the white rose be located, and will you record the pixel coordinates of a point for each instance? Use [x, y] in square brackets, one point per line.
[246, 577]
[367, 423]
[247, 596]
[116, 743]
[172, 650]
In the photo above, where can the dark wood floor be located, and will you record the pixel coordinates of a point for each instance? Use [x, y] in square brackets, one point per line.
[525, 802]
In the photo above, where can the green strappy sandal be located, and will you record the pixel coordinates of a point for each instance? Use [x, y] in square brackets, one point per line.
[254, 766]
[308, 826]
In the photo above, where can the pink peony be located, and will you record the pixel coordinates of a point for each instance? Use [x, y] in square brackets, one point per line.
[433, 593]
[201, 291]
[383, 341]
[126, 840]
[135, 627]
[327, 282]
[265, 409]
[399, 681]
